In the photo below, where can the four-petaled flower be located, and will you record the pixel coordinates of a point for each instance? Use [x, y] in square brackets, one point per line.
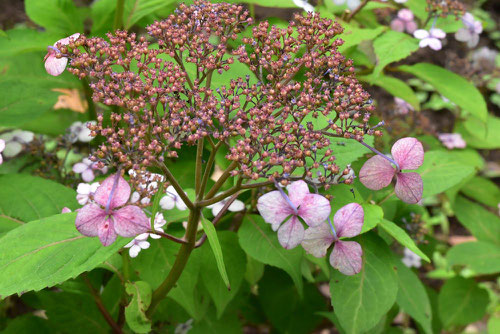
[275, 207]
[140, 242]
[470, 32]
[452, 140]
[378, 172]
[108, 216]
[236, 206]
[430, 38]
[53, 65]
[86, 168]
[404, 22]
[346, 255]
[15, 141]
[172, 199]
[85, 191]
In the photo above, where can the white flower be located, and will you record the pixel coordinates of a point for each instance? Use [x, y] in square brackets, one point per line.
[470, 32]
[236, 206]
[411, 259]
[172, 199]
[304, 5]
[351, 4]
[2, 147]
[84, 190]
[15, 140]
[430, 38]
[86, 168]
[400, 1]
[158, 225]
[80, 132]
[139, 243]
[135, 197]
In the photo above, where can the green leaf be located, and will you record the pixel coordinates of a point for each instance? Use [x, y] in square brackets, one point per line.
[392, 46]
[213, 240]
[47, 252]
[481, 257]
[483, 190]
[360, 301]
[461, 301]
[22, 40]
[484, 225]
[412, 297]
[353, 36]
[478, 134]
[373, 216]
[441, 171]
[260, 242]
[235, 259]
[135, 312]
[24, 198]
[452, 86]
[210, 324]
[254, 270]
[102, 13]
[136, 9]
[404, 239]
[59, 16]
[347, 151]
[395, 87]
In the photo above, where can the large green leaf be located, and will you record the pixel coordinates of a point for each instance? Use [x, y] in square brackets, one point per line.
[47, 252]
[484, 225]
[402, 237]
[213, 240]
[136, 9]
[235, 259]
[353, 36]
[392, 46]
[482, 190]
[481, 257]
[360, 301]
[412, 297]
[59, 16]
[461, 301]
[21, 40]
[395, 87]
[135, 312]
[373, 216]
[441, 171]
[260, 242]
[452, 86]
[478, 134]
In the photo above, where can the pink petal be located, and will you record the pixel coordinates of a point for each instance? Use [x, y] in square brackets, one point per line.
[348, 220]
[314, 209]
[79, 167]
[317, 240]
[405, 14]
[2, 145]
[130, 221]
[411, 26]
[89, 219]
[107, 234]
[291, 233]
[398, 25]
[297, 191]
[120, 195]
[273, 208]
[346, 257]
[376, 173]
[88, 175]
[55, 66]
[65, 41]
[437, 33]
[408, 153]
[409, 187]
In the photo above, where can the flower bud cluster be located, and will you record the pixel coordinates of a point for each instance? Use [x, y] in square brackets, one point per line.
[446, 7]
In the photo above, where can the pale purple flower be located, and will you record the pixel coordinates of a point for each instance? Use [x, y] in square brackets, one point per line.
[471, 31]
[378, 172]
[2, 147]
[411, 259]
[236, 206]
[346, 255]
[79, 131]
[85, 191]
[452, 140]
[86, 168]
[53, 65]
[137, 244]
[172, 199]
[351, 4]
[402, 107]
[15, 141]
[158, 225]
[108, 216]
[431, 38]
[404, 22]
[276, 207]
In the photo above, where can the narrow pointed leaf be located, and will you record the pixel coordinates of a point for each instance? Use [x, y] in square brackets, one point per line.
[215, 245]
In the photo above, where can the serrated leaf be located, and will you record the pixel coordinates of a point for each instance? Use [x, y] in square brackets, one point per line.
[47, 252]
[260, 242]
[484, 225]
[213, 240]
[481, 257]
[402, 237]
[361, 300]
[392, 46]
[135, 312]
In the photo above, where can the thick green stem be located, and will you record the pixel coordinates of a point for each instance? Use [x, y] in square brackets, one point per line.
[199, 168]
[118, 22]
[180, 262]
[222, 179]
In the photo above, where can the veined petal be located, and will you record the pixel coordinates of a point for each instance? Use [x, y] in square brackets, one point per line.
[346, 257]
[291, 233]
[88, 175]
[409, 187]
[79, 167]
[273, 208]
[297, 191]
[408, 153]
[314, 209]
[121, 193]
[348, 220]
[317, 240]
[55, 66]
[89, 219]
[106, 233]
[376, 173]
[66, 41]
[130, 221]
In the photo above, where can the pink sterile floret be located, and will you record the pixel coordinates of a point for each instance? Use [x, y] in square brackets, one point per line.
[275, 208]
[53, 65]
[377, 172]
[105, 219]
[346, 256]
